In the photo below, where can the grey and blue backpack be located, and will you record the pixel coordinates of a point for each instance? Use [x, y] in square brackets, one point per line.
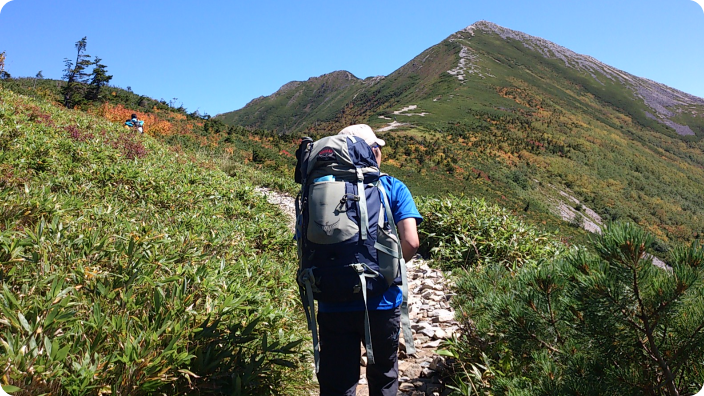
[348, 245]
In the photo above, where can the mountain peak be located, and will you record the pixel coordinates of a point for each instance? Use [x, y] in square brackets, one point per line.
[483, 25]
[338, 74]
[658, 97]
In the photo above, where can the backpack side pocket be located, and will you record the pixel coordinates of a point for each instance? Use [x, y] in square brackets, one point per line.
[328, 220]
[387, 248]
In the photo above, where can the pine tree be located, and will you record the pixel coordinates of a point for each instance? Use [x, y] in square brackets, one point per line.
[647, 323]
[602, 323]
[99, 78]
[76, 75]
[38, 76]
[3, 74]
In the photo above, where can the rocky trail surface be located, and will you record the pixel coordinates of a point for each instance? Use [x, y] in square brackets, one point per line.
[432, 321]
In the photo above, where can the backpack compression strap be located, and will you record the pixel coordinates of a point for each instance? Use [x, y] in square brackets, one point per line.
[308, 280]
[405, 320]
[360, 267]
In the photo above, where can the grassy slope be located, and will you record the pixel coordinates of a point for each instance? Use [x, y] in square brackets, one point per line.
[127, 266]
[317, 100]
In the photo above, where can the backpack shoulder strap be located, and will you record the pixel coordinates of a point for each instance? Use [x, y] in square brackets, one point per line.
[405, 318]
[363, 211]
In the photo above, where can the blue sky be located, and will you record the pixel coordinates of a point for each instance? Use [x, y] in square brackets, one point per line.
[215, 56]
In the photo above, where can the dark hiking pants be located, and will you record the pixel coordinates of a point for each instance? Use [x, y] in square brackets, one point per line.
[341, 334]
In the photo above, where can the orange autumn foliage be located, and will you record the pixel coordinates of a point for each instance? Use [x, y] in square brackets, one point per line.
[153, 124]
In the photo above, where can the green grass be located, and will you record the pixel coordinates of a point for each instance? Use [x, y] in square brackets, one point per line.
[132, 268]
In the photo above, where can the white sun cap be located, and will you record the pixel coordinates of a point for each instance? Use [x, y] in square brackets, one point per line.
[363, 131]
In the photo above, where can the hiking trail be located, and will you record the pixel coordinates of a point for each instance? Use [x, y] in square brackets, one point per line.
[432, 320]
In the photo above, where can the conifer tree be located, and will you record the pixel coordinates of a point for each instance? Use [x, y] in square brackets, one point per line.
[76, 75]
[646, 322]
[38, 76]
[99, 78]
[603, 323]
[3, 74]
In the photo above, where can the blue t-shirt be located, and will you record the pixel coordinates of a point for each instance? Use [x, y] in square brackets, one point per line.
[402, 207]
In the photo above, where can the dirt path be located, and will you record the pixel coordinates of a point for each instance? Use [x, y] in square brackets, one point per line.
[432, 320]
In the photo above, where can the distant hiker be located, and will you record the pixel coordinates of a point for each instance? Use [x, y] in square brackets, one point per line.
[135, 123]
[356, 228]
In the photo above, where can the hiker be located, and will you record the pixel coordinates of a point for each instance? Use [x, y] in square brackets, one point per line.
[135, 123]
[344, 326]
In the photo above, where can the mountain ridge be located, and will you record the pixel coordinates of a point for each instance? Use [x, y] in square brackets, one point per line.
[656, 95]
[497, 113]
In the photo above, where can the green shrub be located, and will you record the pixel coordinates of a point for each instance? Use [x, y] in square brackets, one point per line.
[462, 232]
[604, 323]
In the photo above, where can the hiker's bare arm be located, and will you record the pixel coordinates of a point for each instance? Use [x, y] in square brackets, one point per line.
[408, 233]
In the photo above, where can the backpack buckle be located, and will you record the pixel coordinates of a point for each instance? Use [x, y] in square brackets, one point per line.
[306, 277]
[349, 197]
[362, 267]
[359, 267]
[344, 199]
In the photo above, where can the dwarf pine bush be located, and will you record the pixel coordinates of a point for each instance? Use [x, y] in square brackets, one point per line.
[127, 268]
[606, 322]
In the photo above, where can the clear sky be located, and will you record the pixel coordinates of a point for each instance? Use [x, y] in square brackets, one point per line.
[215, 56]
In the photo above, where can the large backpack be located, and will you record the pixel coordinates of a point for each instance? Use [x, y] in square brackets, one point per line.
[348, 245]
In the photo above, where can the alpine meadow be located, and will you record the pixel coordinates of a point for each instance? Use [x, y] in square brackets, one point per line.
[561, 196]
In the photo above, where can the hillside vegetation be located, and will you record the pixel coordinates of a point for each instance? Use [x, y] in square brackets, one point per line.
[131, 265]
[146, 264]
[540, 319]
[128, 267]
[495, 113]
